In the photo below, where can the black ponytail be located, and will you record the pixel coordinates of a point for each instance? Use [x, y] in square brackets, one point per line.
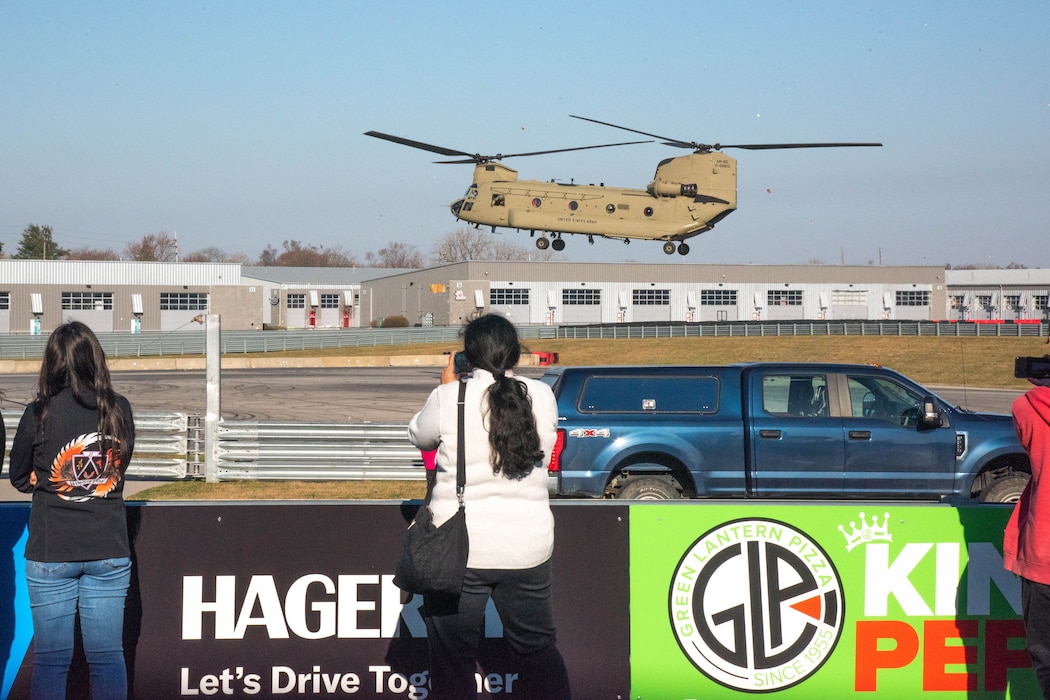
[491, 343]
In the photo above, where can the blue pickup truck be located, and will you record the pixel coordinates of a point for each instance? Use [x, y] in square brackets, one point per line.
[775, 430]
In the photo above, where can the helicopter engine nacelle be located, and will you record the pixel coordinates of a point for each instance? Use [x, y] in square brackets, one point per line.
[663, 188]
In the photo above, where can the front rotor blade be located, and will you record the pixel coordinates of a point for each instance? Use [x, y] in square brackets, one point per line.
[501, 156]
[420, 145]
[566, 150]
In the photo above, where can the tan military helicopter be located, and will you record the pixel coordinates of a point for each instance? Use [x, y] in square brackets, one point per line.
[688, 195]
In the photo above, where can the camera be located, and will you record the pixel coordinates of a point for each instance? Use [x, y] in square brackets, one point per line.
[1032, 367]
[461, 363]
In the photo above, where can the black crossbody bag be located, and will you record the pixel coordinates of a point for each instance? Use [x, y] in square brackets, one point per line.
[434, 559]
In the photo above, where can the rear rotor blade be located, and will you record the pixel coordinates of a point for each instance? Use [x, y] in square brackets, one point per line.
[770, 146]
[705, 148]
[666, 140]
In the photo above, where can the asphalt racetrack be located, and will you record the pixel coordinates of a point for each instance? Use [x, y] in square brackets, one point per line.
[377, 395]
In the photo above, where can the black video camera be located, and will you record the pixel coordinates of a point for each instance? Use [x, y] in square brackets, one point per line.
[1032, 367]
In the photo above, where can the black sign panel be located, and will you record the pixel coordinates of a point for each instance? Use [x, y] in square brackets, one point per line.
[296, 599]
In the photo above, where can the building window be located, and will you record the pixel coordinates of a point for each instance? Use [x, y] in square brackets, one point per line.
[651, 297]
[958, 301]
[984, 301]
[1013, 301]
[784, 297]
[1039, 301]
[717, 297]
[330, 301]
[183, 301]
[913, 298]
[849, 297]
[581, 297]
[5, 301]
[296, 301]
[87, 301]
[508, 296]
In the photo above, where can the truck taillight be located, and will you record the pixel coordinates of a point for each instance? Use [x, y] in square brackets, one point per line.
[559, 445]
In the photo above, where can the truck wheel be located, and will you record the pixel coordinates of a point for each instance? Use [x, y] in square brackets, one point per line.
[648, 488]
[1006, 489]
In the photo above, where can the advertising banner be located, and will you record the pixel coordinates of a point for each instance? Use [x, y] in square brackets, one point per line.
[663, 600]
[806, 601]
[296, 600]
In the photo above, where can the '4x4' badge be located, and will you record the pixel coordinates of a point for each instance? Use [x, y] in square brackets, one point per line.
[589, 432]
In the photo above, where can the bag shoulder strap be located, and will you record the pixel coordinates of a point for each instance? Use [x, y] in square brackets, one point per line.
[461, 442]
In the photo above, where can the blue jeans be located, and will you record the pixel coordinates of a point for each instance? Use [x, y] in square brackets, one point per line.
[56, 591]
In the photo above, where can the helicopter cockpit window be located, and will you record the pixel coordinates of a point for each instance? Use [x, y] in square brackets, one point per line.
[472, 192]
[499, 200]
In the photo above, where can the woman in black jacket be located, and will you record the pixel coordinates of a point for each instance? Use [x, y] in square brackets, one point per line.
[70, 451]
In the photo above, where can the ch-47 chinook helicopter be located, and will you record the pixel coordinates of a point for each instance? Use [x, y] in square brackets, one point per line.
[688, 195]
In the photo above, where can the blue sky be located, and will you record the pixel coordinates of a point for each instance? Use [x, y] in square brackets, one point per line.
[240, 124]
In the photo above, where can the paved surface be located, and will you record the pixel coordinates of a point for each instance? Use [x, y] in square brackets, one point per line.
[300, 394]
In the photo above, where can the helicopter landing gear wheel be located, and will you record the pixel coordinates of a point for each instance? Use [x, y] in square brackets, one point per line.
[542, 243]
[558, 244]
[668, 247]
[683, 249]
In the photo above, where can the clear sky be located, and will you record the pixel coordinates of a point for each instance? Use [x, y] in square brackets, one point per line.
[240, 124]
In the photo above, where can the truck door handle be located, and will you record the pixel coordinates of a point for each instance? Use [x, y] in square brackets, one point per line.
[860, 435]
[775, 434]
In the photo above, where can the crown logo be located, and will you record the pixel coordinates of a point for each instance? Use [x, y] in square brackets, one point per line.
[867, 532]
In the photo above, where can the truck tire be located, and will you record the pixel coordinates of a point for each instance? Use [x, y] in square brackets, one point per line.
[1005, 489]
[648, 488]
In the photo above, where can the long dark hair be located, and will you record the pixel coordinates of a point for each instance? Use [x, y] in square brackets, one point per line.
[491, 343]
[74, 358]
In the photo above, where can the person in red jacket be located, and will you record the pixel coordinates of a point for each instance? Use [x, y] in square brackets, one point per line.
[1026, 544]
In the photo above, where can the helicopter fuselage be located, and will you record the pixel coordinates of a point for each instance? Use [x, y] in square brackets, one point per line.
[687, 196]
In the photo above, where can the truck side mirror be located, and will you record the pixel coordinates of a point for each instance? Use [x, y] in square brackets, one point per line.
[931, 417]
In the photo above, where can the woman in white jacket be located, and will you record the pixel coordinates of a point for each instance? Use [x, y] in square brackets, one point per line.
[510, 426]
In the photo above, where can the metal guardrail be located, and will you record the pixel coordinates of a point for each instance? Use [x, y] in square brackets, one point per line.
[160, 444]
[315, 451]
[743, 329]
[152, 344]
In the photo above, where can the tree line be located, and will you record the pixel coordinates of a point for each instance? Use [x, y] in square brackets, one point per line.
[38, 243]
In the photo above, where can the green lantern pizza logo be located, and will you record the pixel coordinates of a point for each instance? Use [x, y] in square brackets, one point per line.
[756, 605]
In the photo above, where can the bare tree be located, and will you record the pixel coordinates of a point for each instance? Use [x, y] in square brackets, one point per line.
[216, 254]
[268, 258]
[89, 253]
[298, 255]
[475, 244]
[396, 255]
[154, 247]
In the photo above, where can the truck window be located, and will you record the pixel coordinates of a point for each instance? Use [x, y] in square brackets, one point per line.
[883, 399]
[634, 394]
[795, 395]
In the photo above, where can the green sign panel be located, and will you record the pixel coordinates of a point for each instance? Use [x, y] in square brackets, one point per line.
[802, 601]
